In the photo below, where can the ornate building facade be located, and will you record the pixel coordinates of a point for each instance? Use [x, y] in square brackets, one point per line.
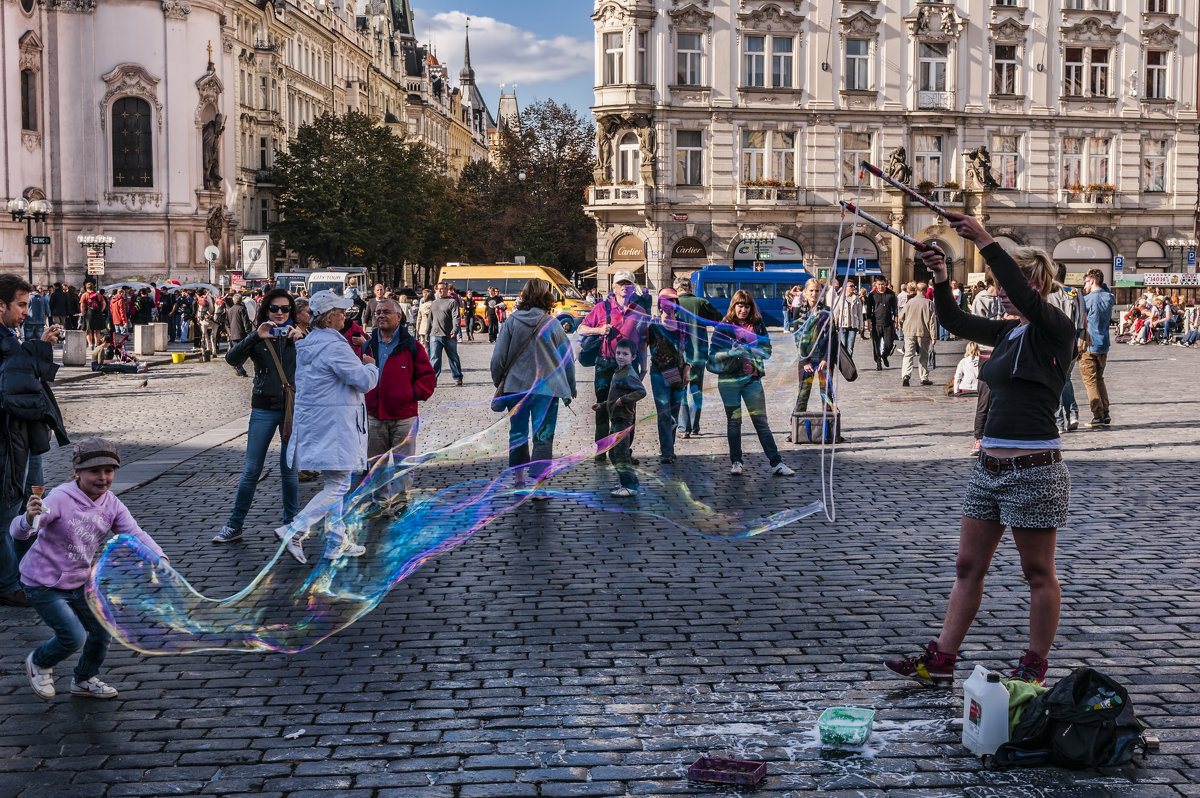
[1068, 125]
[156, 122]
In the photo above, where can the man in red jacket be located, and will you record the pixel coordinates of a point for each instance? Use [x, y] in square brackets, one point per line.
[405, 378]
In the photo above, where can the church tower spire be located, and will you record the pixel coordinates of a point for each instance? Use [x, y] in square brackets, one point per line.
[466, 76]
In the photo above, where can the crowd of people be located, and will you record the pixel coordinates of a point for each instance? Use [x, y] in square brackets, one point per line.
[339, 380]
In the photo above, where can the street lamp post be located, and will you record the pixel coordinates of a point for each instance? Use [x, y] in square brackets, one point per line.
[761, 237]
[90, 243]
[22, 210]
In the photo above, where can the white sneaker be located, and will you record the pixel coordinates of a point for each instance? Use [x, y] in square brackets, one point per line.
[93, 688]
[781, 470]
[295, 547]
[736, 467]
[40, 679]
[348, 550]
[623, 493]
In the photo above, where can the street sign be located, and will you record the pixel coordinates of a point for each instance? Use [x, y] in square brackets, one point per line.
[95, 260]
[822, 274]
[860, 266]
[39, 239]
[1191, 261]
[759, 266]
[1118, 268]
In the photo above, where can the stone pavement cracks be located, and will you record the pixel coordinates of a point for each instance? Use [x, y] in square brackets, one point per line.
[564, 651]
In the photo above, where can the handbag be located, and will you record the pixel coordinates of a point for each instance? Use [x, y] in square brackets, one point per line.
[289, 394]
[591, 344]
[498, 405]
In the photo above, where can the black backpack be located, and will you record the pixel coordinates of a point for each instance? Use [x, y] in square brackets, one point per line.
[1084, 721]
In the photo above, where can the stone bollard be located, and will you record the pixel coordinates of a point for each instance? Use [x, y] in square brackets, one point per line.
[75, 349]
[160, 336]
[143, 339]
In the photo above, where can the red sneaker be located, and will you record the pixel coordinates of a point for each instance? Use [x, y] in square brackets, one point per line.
[931, 667]
[1031, 668]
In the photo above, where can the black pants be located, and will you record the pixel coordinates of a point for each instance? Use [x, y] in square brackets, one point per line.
[493, 326]
[886, 336]
[981, 409]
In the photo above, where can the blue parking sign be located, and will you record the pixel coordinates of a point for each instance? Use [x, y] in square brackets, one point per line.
[1191, 261]
[1119, 262]
[860, 265]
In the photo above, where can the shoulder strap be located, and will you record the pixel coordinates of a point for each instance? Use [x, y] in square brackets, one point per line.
[279, 366]
[537, 330]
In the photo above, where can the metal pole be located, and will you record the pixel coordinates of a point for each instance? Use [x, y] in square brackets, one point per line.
[29, 245]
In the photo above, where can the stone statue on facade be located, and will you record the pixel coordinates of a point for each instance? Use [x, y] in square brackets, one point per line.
[979, 169]
[215, 224]
[897, 169]
[211, 133]
[648, 150]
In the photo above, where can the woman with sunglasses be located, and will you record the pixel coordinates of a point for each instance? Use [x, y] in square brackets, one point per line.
[268, 402]
[739, 348]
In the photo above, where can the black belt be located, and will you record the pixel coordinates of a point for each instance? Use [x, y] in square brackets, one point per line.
[998, 464]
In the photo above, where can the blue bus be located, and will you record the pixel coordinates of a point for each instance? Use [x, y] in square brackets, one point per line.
[717, 284]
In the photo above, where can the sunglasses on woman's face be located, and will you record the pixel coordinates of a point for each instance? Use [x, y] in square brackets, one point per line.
[279, 308]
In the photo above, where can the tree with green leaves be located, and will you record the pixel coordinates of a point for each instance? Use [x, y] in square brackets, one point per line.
[351, 193]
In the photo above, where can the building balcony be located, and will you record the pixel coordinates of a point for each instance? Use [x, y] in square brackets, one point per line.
[1088, 198]
[935, 100]
[942, 195]
[750, 194]
[264, 177]
[628, 196]
[623, 95]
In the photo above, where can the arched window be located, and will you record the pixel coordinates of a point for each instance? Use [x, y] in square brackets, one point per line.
[133, 150]
[629, 158]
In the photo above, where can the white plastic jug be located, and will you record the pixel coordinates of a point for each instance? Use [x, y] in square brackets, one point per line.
[985, 712]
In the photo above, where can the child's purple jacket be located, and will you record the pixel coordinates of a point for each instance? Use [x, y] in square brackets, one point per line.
[72, 528]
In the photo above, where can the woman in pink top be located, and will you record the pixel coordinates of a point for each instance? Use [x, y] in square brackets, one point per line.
[71, 524]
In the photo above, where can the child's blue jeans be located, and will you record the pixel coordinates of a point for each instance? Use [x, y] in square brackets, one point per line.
[619, 454]
[68, 614]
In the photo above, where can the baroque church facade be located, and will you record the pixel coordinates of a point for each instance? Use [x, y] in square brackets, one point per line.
[156, 122]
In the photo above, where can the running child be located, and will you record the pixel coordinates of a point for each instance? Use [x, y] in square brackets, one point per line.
[72, 523]
[624, 392]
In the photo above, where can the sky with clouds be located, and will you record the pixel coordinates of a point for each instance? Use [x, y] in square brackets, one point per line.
[543, 46]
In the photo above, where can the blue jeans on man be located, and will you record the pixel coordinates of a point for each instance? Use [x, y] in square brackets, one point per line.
[847, 336]
[75, 626]
[261, 430]
[449, 345]
[1067, 408]
[33, 332]
[667, 403]
[531, 416]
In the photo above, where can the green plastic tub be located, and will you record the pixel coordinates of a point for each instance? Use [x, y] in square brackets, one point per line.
[845, 725]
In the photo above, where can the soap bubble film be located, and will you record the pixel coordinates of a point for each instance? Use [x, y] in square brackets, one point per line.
[150, 606]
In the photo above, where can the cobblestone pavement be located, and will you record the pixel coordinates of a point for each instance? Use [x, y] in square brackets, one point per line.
[566, 652]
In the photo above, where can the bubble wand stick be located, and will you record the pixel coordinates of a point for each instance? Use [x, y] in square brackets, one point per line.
[918, 196]
[850, 206]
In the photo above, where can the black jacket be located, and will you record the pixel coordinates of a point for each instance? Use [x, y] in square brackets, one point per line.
[1026, 375]
[268, 388]
[28, 411]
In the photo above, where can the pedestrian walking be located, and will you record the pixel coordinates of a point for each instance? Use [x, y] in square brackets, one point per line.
[210, 316]
[739, 350]
[272, 349]
[882, 310]
[533, 368]
[1098, 303]
[425, 318]
[329, 427]
[920, 329]
[1070, 302]
[443, 333]
[238, 324]
[39, 315]
[405, 379]
[469, 304]
[1020, 480]
[75, 519]
[494, 309]
[61, 309]
[621, 317]
[93, 308]
[695, 314]
[668, 371]
[848, 315]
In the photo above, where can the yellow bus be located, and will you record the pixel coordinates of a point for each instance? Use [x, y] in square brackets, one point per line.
[569, 305]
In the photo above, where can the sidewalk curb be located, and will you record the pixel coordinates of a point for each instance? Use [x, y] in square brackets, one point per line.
[83, 375]
[140, 473]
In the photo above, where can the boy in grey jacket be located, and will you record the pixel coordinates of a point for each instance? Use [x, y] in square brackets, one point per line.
[624, 392]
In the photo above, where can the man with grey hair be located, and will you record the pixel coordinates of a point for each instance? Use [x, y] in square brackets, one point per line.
[695, 316]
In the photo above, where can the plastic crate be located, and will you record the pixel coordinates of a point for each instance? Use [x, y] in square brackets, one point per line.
[727, 771]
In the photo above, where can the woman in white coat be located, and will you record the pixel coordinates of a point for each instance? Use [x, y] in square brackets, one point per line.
[329, 426]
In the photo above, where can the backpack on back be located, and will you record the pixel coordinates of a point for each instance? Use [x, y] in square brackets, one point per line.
[1084, 721]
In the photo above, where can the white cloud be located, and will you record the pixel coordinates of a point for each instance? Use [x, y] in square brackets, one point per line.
[504, 53]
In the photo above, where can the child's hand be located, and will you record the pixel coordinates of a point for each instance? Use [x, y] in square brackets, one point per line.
[596, 407]
[33, 508]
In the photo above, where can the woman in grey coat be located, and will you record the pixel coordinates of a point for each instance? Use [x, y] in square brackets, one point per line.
[537, 372]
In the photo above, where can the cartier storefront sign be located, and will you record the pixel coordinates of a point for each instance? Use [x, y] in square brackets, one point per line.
[688, 248]
[629, 248]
